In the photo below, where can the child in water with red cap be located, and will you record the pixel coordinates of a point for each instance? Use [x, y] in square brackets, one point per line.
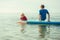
[23, 17]
[23, 20]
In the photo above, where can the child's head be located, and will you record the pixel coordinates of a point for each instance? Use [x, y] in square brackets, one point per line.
[42, 6]
[22, 14]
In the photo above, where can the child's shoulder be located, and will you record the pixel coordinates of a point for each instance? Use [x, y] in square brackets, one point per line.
[45, 9]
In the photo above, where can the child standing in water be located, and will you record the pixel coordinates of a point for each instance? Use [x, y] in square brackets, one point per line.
[42, 17]
[23, 18]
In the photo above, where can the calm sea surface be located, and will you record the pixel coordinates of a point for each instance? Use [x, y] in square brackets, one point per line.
[10, 30]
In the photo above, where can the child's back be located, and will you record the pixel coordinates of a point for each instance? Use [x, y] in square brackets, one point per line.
[43, 13]
[23, 17]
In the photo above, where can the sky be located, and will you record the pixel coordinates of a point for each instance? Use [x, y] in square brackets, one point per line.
[28, 6]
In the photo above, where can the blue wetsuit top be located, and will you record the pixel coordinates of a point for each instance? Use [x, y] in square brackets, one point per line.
[43, 13]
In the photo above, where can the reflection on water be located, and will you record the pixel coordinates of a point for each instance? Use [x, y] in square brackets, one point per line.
[42, 30]
[31, 33]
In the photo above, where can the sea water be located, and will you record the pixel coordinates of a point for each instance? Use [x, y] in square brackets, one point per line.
[10, 30]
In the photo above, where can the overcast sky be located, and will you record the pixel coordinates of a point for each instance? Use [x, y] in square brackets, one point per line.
[28, 6]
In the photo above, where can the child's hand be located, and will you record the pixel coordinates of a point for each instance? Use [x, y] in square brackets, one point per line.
[22, 23]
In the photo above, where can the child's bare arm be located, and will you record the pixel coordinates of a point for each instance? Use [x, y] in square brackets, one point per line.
[39, 17]
[22, 22]
[48, 17]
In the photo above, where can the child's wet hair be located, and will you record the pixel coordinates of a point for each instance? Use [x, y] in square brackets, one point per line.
[42, 6]
[22, 14]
